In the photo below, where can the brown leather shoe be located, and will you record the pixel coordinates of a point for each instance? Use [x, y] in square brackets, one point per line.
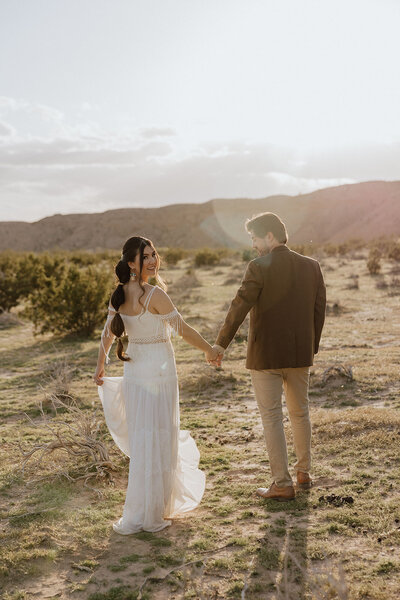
[304, 481]
[282, 494]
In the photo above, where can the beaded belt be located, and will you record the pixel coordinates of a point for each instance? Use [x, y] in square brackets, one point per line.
[156, 340]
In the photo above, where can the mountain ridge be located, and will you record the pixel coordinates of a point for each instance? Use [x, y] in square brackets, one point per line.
[331, 215]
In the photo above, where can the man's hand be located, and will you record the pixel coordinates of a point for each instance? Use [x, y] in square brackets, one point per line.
[211, 356]
[218, 354]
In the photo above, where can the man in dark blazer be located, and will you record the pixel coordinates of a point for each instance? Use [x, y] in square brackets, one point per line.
[285, 294]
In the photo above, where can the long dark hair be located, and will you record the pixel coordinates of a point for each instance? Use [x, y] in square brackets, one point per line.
[132, 247]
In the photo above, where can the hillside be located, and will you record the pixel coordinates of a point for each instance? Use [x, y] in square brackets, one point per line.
[362, 210]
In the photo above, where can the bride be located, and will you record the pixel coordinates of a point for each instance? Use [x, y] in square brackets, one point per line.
[142, 407]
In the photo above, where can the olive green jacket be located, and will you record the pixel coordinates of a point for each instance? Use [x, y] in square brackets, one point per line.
[285, 294]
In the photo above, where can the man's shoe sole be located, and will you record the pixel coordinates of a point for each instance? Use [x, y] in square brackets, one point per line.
[277, 498]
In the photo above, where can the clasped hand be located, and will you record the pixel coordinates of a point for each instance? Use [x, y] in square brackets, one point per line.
[215, 355]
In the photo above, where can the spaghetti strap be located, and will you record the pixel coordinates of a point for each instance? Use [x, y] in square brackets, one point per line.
[146, 304]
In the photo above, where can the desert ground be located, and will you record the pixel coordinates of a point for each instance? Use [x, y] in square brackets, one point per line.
[338, 540]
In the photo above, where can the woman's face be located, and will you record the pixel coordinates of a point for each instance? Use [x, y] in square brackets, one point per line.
[150, 263]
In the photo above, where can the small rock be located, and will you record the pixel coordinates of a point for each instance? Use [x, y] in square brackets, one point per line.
[336, 500]
[348, 499]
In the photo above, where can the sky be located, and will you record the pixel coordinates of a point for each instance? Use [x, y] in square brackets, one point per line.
[126, 103]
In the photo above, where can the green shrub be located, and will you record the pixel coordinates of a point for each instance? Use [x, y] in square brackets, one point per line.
[173, 255]
[9, 282]
[206, 257]
[71, 301]
[84, 259]
[18, 276]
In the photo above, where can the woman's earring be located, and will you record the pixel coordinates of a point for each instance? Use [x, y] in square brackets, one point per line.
[133, 275]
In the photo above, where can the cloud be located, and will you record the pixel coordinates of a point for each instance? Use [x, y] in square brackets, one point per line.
[151, 132]
[67, 153]
[34, 120]
[57, 167]
[371, 161]
[9, 104]
[6, 130]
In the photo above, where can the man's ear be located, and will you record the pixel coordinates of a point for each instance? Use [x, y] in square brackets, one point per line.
[270, 237]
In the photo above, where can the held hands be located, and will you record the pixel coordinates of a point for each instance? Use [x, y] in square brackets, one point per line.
[214, 355]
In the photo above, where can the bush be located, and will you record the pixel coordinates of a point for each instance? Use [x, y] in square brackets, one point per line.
[18, 276]
[374, 261]
[173, 255]
[206, 257]
[395, 286]
[343, 249]
[72, 302]
[248, 254]
[84, 259]
[330, 249]
[9, 282]
[374, 265]
[394, 251]
[305, 249]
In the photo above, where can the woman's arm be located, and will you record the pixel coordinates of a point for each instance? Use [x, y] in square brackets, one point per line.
[162, 303]
[193, 337]
[107, 338]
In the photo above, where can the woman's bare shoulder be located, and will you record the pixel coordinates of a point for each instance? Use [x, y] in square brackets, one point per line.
[161, 301]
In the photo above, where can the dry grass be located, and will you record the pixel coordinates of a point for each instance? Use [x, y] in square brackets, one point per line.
[78, 436]
[56, 536]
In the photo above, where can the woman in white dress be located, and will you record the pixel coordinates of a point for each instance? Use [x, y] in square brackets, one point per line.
[142, 407]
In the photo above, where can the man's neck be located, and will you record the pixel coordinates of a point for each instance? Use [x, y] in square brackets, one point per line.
[276, 245]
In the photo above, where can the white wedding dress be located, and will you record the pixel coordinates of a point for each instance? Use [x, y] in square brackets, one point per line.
[142, 413]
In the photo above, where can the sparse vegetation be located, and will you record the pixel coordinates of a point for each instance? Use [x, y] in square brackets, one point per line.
[394, 251]
[79, 436]
[248, 254]
[334, 308]
[374, 262]
[353, 283]
[173, 255]
[207, 257]
[57, 533]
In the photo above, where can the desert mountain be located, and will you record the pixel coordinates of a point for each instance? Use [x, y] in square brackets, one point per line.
[362, 210]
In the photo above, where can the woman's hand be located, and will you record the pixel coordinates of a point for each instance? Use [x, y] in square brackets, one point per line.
[97, 377]
[213, 356]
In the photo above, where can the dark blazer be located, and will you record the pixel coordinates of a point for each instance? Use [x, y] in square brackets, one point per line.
[285, 294]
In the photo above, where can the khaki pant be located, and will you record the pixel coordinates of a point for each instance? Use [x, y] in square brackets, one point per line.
[268, 391]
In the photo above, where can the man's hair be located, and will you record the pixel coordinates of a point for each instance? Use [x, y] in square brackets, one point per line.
[261, 224]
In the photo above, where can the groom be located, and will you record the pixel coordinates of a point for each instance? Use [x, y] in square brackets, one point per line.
[285, 294]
